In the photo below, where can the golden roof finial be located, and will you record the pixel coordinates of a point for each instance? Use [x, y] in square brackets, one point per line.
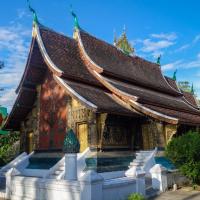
[123, 43]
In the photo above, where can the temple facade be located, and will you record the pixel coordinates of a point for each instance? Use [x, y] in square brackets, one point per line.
[121, 108]
[112, 100]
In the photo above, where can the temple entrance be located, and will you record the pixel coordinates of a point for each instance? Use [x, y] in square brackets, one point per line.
[82, 131]
[29, 142]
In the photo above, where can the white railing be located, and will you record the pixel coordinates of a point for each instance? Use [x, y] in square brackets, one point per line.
[80, 165]
[81, 161]
[150, 161]
[61, 175]
[24, 162]
[13, 163]
[54, 168]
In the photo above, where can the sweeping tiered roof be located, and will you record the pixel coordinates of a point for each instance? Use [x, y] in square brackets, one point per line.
[101, 77]
[189, 97]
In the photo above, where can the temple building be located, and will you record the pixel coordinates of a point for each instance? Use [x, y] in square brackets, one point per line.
[120, 106]
[112, 99]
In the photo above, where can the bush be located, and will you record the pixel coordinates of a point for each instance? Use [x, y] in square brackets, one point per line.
[184, 152]
[9, 147]
[135, 196]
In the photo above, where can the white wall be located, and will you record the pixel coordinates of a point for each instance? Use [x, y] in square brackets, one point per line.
[118, 189]
[48, 189]
[41, 189]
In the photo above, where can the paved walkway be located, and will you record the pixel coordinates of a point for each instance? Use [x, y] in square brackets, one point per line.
[182, 194]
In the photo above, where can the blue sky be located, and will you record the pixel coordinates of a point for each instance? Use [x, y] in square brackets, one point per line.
[167, 27]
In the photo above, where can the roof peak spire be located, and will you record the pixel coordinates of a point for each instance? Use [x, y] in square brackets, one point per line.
[158, 59]
[192, 89]
[123, 43]
[174, 75]
[76, 24]
[114, 37]
[124, 29]
[35, 18]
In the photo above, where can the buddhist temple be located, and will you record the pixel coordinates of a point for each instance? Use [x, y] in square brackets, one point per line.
[114, 102]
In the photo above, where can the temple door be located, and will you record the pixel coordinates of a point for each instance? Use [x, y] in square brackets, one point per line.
[82, 130]
[146, 137]
[29, 140]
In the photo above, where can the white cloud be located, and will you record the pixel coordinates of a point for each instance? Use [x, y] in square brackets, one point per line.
[183, 47]
[14, 45]
[183, 64]
[151, 46]
[7, 98]
[165, 36]
[196, 39]
[156, 43]
[171, 66]
[192, 64]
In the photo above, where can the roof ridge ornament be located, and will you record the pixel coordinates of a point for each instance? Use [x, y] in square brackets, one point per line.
[71, 143]
[174, 75]
[192, 89]
[158, 59]
[123, 43]
[35, 18]
[76, 24]
[114, 38]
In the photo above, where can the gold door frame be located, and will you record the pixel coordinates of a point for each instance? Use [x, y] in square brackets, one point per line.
[83, 145]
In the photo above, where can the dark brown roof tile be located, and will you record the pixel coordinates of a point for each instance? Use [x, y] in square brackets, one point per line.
[134, 69]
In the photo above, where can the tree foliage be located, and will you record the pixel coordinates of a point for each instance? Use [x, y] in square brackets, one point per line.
[135, 196]
[8, 147]
[184, 152]
[185, 86]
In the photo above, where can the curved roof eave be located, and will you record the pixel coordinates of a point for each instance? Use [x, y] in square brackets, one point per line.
[94, 65]
[44, 53]
[178, 89]
[190, 103]
[133, 102]
[27, 64]
[131, 99]
[74, 94]
[36, 37]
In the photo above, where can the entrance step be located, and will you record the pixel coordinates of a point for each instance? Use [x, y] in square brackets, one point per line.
[2, 194]
[2, 182]
[57, 172]
[150, 192]
[142, 157]
[61, 168]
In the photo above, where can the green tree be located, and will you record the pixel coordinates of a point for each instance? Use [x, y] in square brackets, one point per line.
[135, 196]
[185, 86]
[184, 152]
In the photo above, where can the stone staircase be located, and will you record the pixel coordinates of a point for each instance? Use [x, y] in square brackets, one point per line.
[58, 172]
[150, 192]
[144, 159]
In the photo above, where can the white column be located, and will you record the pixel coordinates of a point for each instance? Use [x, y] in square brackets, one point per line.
[91, 186]
[71, 166]
[159, 177]
[11, 172]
